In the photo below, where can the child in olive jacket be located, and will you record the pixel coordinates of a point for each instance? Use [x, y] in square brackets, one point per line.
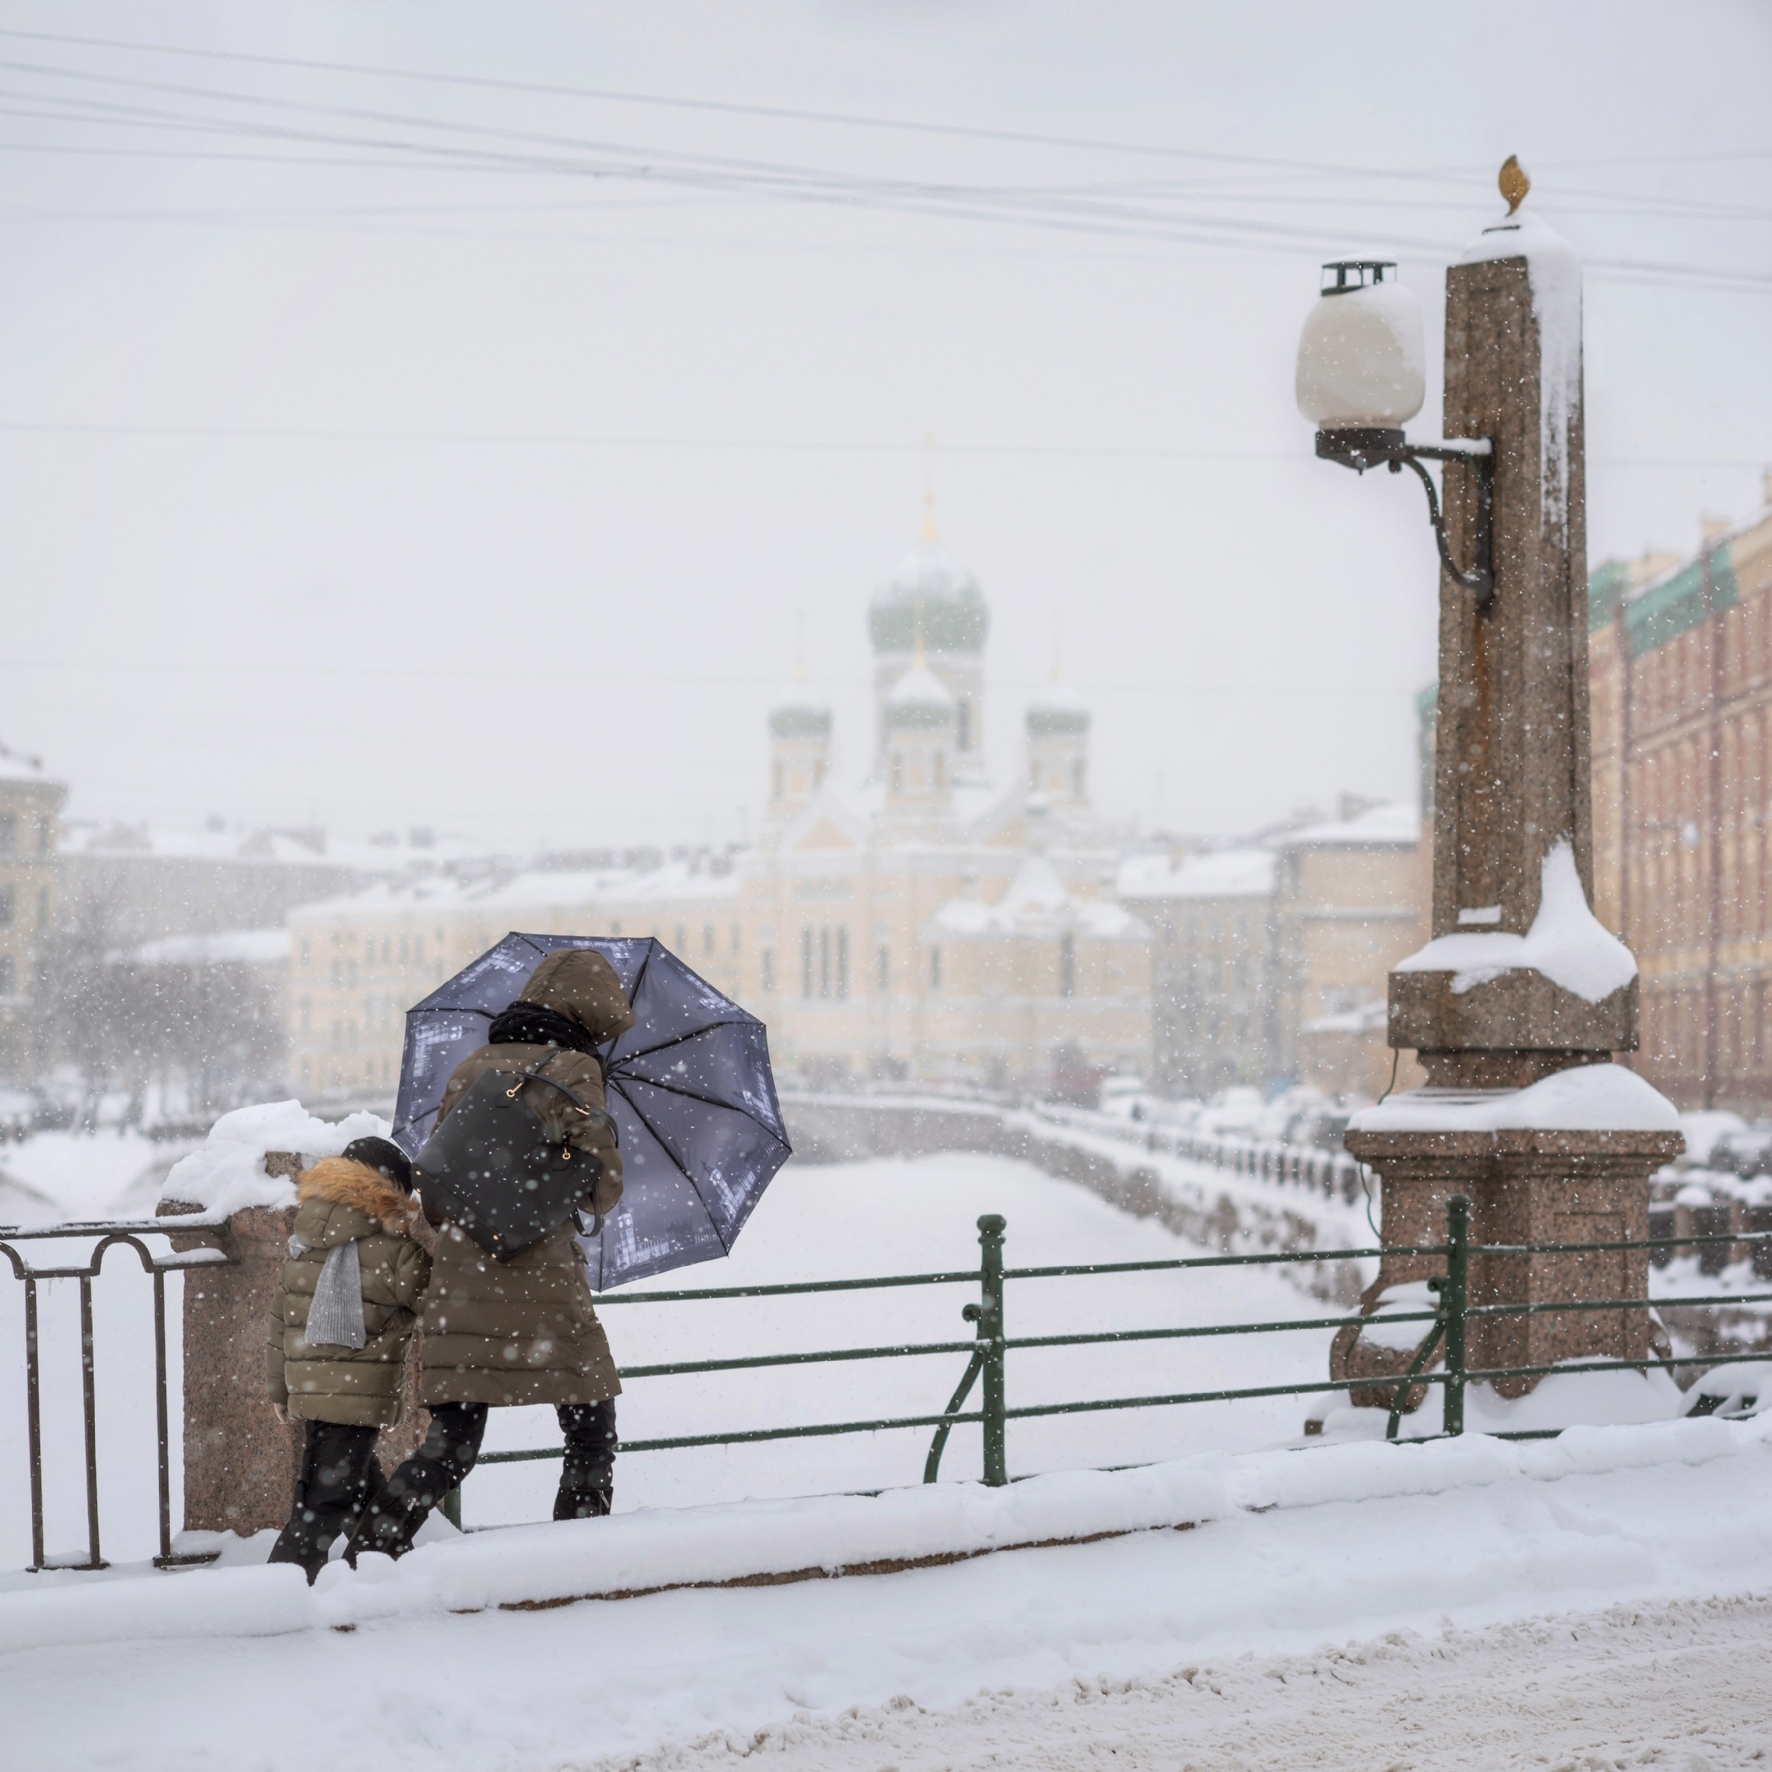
[343, 1312]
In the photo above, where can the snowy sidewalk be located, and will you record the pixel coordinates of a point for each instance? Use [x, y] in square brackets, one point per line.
[1287, 1551]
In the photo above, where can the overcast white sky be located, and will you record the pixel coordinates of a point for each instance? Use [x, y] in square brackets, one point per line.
[369, 454]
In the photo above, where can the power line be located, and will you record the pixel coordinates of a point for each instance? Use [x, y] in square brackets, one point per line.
[759, 445]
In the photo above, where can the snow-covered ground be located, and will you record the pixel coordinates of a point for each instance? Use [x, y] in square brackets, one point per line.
[1599, 1601]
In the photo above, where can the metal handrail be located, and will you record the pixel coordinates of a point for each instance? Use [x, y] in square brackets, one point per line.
[110, 1234]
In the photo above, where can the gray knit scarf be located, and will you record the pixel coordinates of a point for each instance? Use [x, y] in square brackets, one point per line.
[335, 1318]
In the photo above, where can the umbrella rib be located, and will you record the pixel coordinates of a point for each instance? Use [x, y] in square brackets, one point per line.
[706, 1100]
[678, 1040]
[659, 1140]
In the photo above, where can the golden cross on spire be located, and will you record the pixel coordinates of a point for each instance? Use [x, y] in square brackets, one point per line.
[928, 486]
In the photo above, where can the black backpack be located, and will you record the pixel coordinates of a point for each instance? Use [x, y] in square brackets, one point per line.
[491, 1168]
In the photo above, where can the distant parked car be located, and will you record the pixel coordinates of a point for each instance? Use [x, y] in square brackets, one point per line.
[1744, 1153]
[1124, 1097]
[1321, 1128]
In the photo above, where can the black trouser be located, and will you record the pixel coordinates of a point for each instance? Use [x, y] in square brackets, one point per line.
[339, 1475]
[452, 1445]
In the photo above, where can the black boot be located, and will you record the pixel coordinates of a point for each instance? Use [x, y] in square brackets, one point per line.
[392, 1519]
[574, 1503]
[338, 1476]
[388, 1525]
[587, 1478]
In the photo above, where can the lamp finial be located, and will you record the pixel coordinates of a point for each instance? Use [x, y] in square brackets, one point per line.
[1513, 182]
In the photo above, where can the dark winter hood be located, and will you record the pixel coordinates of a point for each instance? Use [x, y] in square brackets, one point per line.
[581, 985]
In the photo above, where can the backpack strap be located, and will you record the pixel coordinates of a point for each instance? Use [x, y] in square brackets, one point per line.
[578, 1103]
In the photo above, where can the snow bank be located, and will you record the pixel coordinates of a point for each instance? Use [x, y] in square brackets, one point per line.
[539, 1566]
[1555, 276]
[1586, 1098]
[1566, 942]
[226, 1173]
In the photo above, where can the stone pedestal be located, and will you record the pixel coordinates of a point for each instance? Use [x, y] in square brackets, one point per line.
[1524, 1187]
[241, 1463]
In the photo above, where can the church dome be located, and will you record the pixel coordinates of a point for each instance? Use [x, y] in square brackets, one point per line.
[1055, 710]
[954, 615]
[797, 714]
[919, 699]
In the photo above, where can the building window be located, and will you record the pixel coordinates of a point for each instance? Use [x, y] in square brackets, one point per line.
[941, 772]
[306, 1011]
[1077, 776]
[6, 975]
[898, 772]
[883, 968]
[824, 961]
[369, 950]
[768, 964]
[1033, 776]
[304, 950]
[42, 836]
[805, 962]
[842, 962]
[935, 969]
[8, 832]
[965, 728]
[707, 938]
[1067, 965]
[7, 905]
[681, 940]
[43, 910]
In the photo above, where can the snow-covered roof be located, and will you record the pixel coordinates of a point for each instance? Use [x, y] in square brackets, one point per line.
[1225, 873]
[534, 890]
[16, 766]
[1037, 904]
[251, 947]
[1394, 823]
[289, 848]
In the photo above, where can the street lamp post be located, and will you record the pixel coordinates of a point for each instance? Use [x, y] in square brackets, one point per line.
[1520, 999]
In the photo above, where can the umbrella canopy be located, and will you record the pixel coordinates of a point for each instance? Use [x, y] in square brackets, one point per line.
[688, 1085]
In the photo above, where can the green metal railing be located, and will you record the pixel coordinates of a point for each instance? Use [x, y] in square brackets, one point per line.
[988, 1349]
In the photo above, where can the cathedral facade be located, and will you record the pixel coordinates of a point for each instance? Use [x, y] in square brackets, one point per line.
[927, 921]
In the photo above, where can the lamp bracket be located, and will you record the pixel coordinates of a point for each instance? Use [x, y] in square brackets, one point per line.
[1368, 447]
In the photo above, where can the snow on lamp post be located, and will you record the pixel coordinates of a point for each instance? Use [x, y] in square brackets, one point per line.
[1518, 1002]
[1361, 379]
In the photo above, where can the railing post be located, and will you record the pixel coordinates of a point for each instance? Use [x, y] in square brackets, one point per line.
[1457, 1297]
[34, 1420]
[990, 1333]
[89, 1400]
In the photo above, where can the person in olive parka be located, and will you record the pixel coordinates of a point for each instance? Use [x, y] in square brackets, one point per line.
[523, 1330]
[341, 1317]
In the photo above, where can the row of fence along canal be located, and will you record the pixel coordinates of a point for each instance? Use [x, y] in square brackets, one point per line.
[986, 1361]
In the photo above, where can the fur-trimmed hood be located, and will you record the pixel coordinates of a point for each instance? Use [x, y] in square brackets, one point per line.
[340, 1181]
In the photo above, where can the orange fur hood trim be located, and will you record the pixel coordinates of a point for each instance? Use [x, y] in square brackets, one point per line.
[341, 1181]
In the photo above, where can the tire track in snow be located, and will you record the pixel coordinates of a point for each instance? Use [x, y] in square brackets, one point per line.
[1679, 1687]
